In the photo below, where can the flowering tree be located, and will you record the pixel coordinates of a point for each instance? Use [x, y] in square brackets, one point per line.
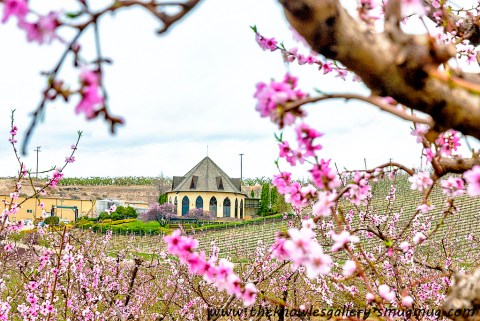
[159, 213]
[405, 73]
[199, 214]
[341, 246]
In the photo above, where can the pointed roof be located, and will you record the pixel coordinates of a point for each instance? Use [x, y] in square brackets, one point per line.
[206, 176]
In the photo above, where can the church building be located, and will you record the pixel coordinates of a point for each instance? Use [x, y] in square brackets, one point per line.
[208, 187]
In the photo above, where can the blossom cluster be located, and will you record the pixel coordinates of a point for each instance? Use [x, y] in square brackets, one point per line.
[91, 98]
[273, 99]
[302, 249]
[42, 30]
[220, 273]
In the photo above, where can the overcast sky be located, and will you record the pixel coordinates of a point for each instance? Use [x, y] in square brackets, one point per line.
[183, 91]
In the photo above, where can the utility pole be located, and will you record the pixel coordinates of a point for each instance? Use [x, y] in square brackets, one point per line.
[37, 150]
[241, 169]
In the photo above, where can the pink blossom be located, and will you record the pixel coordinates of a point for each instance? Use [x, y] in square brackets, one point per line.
[453, 186]
[370, 297]
[385, 292]
[311, 60]
[341, 73]
[180, 245]
[302, 60]
[224, 268]
[316, 262]
[404, 246]
[24, 170]
[358, 192]
[349, 268]
[425, 207]
[429, 154]
[91, 98]
[323, 176]
[327, 68]
[278, 249]
[290, 155]
[266, 43]
[249, 294]
[308, 224]
[448, 142]
[342, 239]
[299, 242]
[9, 247]
[43, 30]
[282, 182]
[407, 301]
[472, 177]
[17, 8]
[305, 137]
[57, 176]
[13, 131]
[325, 203]
[421, 181]
[419, 238]
[70, 159]
[419, 132]
[272, 100]
[291, 55]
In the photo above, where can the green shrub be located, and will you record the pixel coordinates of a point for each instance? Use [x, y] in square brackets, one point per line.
[128, 220]
[52, 220]
[120, 213]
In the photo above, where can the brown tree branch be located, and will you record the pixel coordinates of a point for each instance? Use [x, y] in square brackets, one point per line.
[376, 101]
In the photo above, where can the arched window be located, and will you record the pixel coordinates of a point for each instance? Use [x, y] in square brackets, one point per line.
[170, 200]
[226, 207]
[213, 206]
[176, 202]
[236, 208]
[185, 205]
[199, 202]
[241, 208]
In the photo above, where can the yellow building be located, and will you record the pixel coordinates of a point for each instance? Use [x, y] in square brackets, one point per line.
[206, 186]
[30, 210]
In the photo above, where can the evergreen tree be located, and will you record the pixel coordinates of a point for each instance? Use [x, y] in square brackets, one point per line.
[273, 197]
[252, 193]
[162, 199]
[264, 200]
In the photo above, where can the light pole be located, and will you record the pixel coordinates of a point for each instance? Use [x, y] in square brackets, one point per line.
[241, 169]
[37, 150]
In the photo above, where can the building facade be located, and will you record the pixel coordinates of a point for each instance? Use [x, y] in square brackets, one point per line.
[30, 209]
[206, 186]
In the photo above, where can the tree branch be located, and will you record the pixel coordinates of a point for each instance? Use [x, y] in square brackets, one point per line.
[376, 101]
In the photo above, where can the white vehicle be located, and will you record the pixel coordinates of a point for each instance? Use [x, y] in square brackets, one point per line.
[64, 221]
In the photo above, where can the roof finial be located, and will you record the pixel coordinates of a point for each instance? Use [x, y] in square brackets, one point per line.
[207, 150]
